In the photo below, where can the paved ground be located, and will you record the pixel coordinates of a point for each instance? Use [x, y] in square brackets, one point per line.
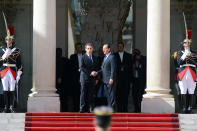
[188, 122]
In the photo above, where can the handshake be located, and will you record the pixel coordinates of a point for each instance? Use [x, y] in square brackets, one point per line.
[94, 73]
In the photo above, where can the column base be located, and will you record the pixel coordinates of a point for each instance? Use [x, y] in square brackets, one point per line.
[158, 105]
[43, 104]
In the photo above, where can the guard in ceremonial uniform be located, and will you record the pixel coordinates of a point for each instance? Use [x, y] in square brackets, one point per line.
[10, 69]
[187, 61]
[103, 118]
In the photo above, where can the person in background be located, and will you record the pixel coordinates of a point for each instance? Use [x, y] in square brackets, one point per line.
[64, 80]
[139, 78]
[76, 63]
[124, 76]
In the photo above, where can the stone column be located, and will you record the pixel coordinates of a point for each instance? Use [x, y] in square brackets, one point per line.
[43, 97]
[158, 98]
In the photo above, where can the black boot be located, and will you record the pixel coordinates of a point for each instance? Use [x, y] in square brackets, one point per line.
[183, 101]
[12, 110]
[190, 103]
[12, 100]
[5, 110]
[5, 97]
[179, 100]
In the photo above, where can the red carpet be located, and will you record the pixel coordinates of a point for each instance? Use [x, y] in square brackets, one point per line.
[84, 122]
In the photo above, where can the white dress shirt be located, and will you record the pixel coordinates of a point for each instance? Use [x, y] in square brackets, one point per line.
[106, 56]
[79, 59]
[121, 55]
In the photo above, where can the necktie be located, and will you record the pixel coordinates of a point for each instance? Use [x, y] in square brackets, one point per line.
[90, 57]
[105, 58]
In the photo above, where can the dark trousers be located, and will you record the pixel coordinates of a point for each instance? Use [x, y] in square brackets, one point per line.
[137, 93]
[122, 95]
[87, 96]
[110, 94]
[76, 96]
[100, 95]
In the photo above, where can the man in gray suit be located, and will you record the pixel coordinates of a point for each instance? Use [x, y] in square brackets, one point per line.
[108, 71]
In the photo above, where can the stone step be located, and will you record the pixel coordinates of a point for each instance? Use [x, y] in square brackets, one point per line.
[16, 122]
[12, 115]
[12, 121]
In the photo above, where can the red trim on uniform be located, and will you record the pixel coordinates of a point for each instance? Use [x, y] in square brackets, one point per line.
[3, 72]
[182, 73]
[175, 76]
[193, 74]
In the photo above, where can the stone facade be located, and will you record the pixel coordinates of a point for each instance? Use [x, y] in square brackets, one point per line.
[102, 17]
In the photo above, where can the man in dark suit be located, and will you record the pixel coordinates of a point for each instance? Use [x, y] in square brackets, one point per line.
[76, 63]
[139, 78]
[64, 79]
[124, 75]
[108, 71]
[88, 64]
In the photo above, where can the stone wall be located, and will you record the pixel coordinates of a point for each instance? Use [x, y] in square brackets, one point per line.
[141, 25]
[61, 28]
[103, 22]
[101, 26]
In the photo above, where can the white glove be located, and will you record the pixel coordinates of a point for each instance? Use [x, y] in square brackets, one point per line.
[7, 53]
[18, 76]
[187, 52]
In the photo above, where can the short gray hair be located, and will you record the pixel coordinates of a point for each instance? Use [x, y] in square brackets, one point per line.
[88, 44]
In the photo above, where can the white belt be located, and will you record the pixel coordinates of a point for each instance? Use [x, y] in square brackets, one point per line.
[187, 65]
[9, 65]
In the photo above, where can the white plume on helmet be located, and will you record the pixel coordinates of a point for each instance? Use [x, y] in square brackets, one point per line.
[9, 36]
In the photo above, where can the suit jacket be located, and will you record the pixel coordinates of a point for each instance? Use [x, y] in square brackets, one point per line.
[124, 68]
[141, 68]
[191, 60]
[87, 66]
[74, 61]
[65, 72]
[75, 65]
[108, 69]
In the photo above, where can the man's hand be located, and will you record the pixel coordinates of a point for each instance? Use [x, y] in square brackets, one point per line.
[93, 73]
[18, 78]
[111, 81]
[96, 82]
[59, 80]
